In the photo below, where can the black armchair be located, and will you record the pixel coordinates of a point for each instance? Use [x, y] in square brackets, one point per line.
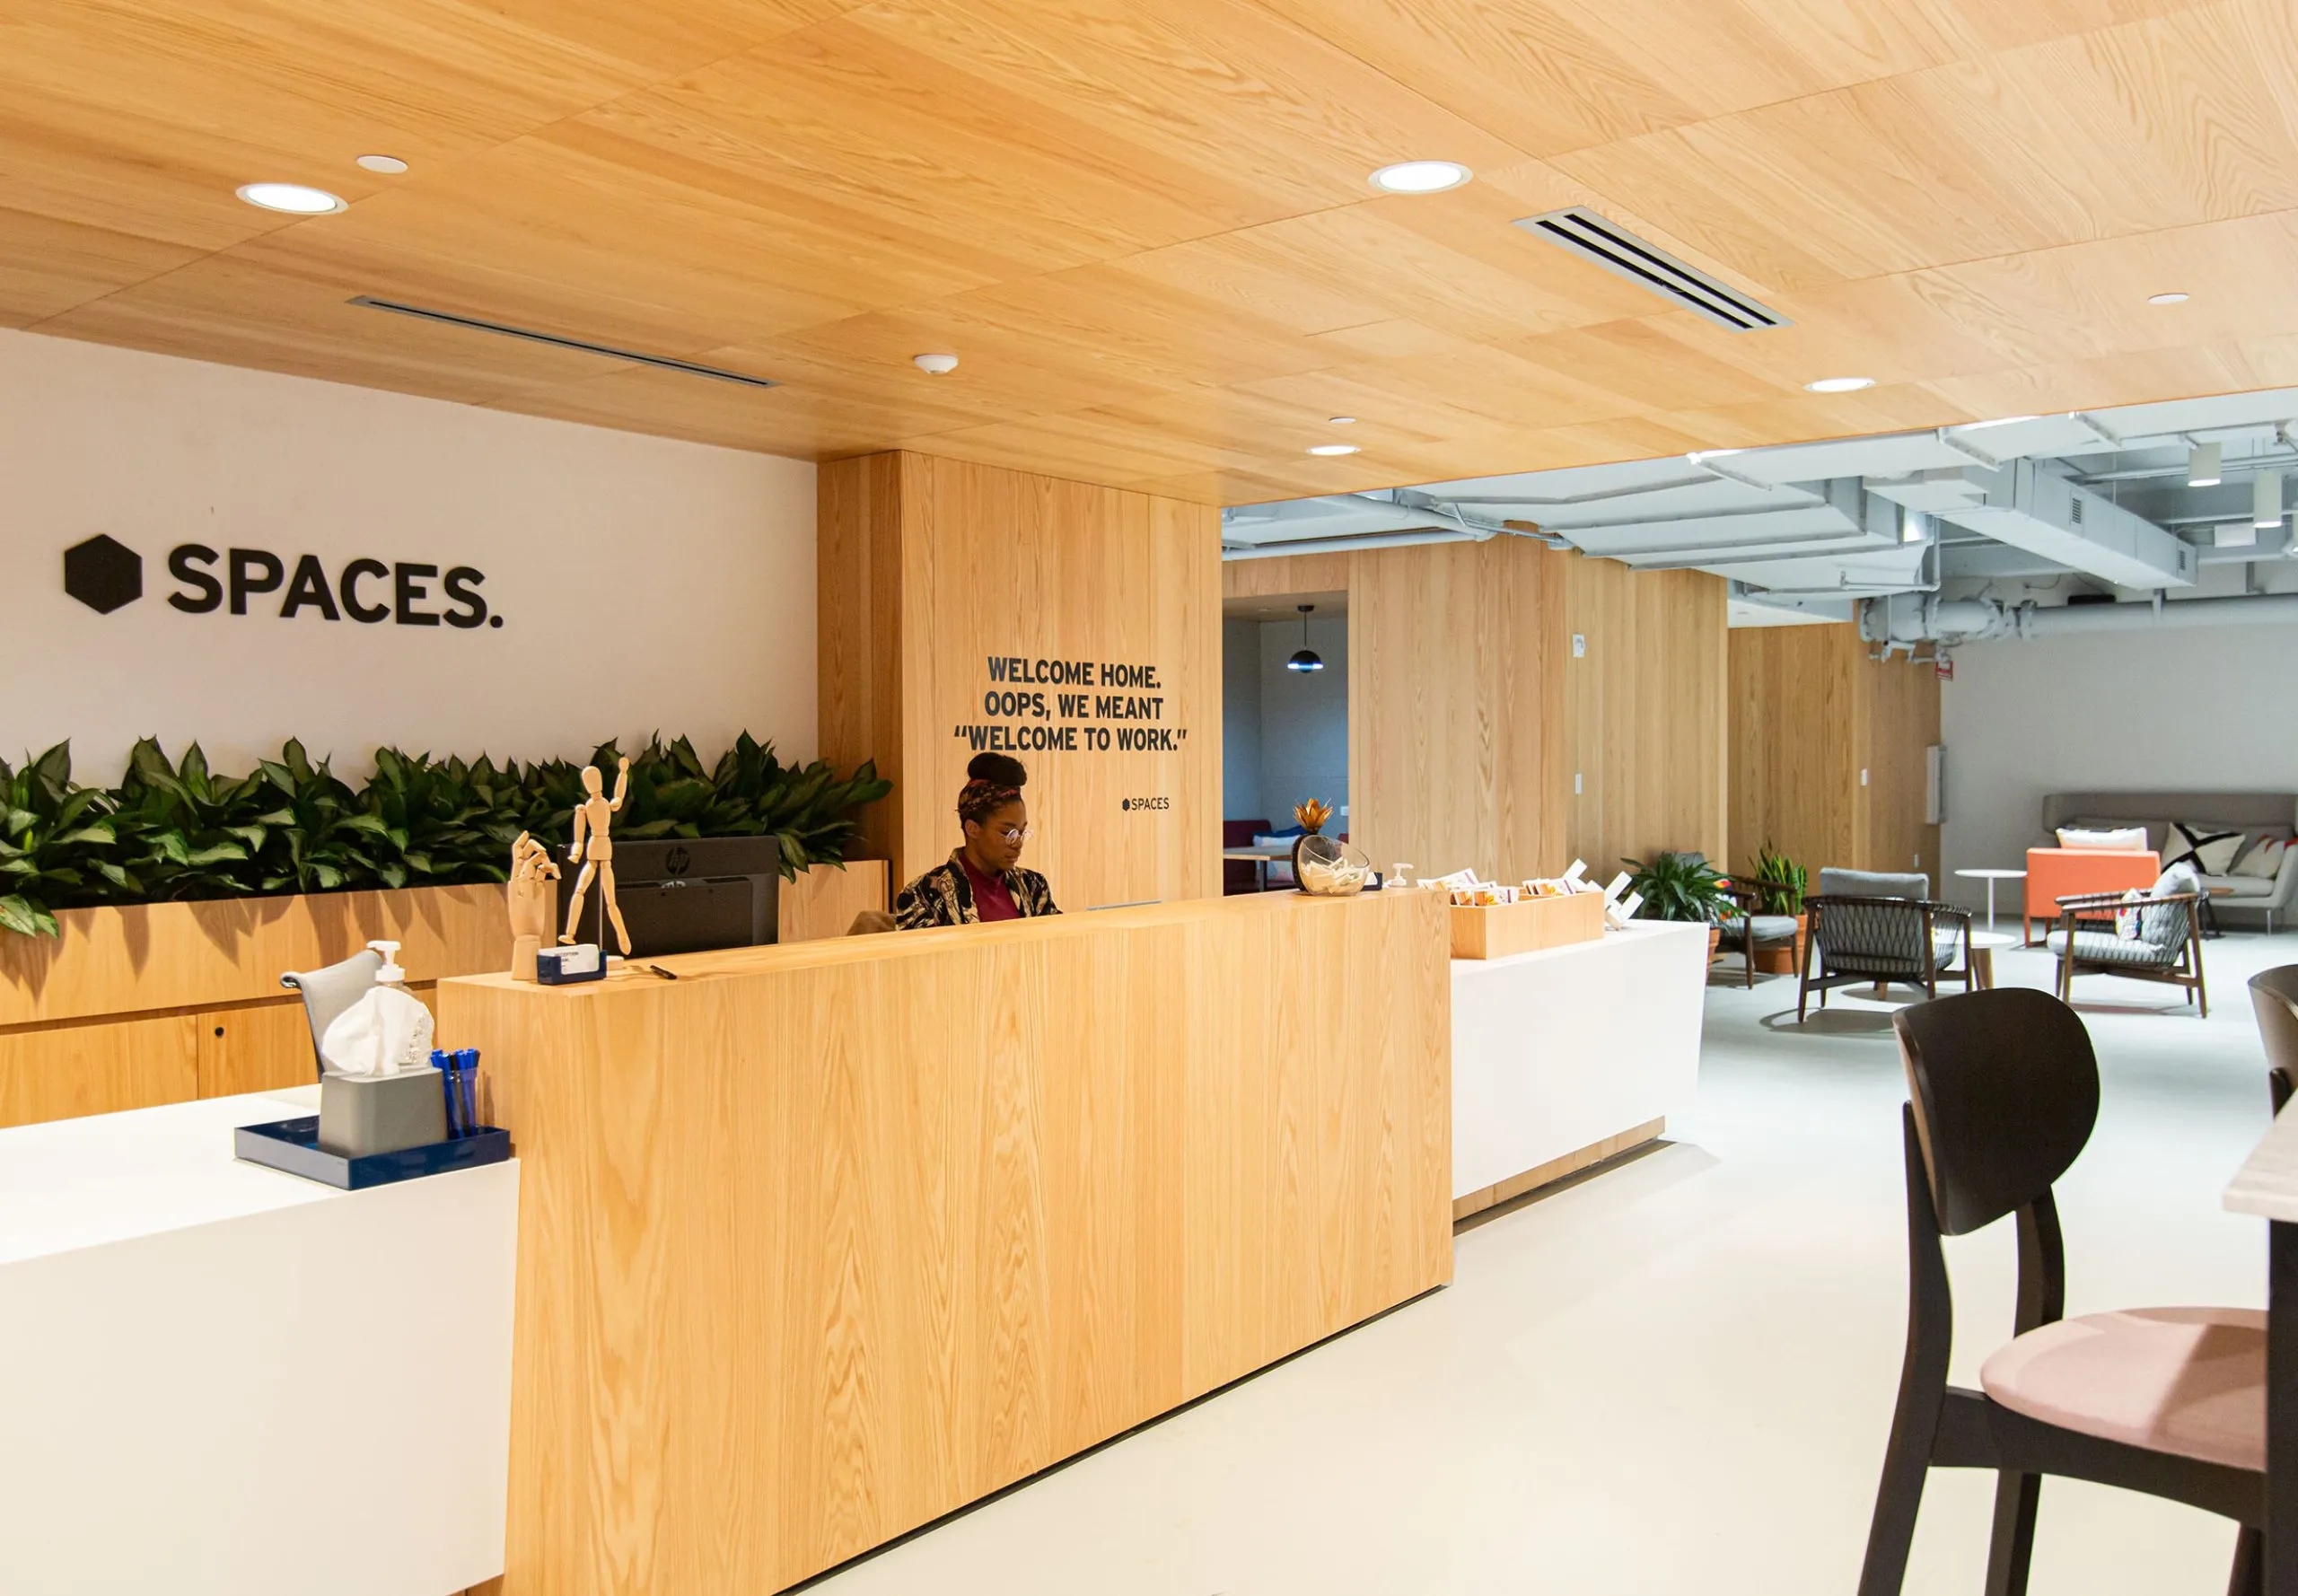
[1858, 940]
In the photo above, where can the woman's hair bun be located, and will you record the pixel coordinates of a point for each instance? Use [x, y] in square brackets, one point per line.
[1003, 769]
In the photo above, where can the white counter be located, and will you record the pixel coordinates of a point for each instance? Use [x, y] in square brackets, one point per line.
[217, 1378]
[1562, 1052]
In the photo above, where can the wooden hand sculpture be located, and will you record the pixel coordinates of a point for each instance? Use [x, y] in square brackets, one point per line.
[533, 898]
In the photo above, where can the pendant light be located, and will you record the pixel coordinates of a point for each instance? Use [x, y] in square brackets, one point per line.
[1304, 658]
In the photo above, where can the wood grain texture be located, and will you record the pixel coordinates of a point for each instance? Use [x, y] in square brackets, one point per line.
[1810, 710]
[1556, 1169]
[1527, 926]
[62, 1072]
[823, 901]
[1147, 228]
[188, 955]
[825, 1241]
[931, 567]
[258, 1048]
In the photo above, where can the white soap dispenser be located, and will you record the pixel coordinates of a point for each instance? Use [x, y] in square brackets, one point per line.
[388, 1030]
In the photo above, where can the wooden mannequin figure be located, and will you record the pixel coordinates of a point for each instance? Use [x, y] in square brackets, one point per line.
[532, 900]
[595, 814]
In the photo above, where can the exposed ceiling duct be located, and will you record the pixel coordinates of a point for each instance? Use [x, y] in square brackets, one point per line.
[1906, 620]
[2032, 507]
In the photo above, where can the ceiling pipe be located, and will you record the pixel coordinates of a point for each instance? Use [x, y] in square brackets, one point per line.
[1907, 619]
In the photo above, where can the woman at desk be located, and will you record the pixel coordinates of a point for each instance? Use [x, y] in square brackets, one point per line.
[983, 880]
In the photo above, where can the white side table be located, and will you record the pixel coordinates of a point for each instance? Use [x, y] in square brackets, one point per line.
[1991, 877]
[1983, 946]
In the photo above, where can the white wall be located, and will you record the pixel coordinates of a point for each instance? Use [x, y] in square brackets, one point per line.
[1303, 719]
[642, 583]
[2203, 710]
[1241, 721]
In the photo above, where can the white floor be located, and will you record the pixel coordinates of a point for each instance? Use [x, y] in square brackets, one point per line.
[1677, 1376]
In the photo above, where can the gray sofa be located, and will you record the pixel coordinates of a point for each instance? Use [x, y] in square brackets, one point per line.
[2255, 812]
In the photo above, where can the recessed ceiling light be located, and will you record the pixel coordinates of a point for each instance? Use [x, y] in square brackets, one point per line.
[391, 164]
[1332, 448]
[934, 365]
[1342, 420]
[1421, 176]
[1840, 385]
[2166, 299]
[294, 198]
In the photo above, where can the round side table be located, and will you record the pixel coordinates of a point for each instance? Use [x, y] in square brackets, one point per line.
[1990, 877]
[1983, 946]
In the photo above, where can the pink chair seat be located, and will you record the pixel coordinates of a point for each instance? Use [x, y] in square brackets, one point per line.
[2190, 1382]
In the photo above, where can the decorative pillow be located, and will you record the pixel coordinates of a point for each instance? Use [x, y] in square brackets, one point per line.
[2130, 841]
[2264, 860]
[2127, 920]
[2160, 925]
[2210, 849]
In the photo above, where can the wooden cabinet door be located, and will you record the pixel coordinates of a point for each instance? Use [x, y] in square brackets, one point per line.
[261, 1047]
[65, 1071]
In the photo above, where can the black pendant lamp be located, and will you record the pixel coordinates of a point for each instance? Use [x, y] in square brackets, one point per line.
[1304, 658]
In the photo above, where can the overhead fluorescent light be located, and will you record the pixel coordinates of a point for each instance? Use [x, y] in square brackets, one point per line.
[1421, 176]
[2266, 499]
[1332, 448]
[2167, 299]
[1839, 384]
[296, 199]
[2203, 468]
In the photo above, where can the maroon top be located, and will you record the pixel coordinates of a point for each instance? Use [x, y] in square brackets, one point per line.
[992, 899]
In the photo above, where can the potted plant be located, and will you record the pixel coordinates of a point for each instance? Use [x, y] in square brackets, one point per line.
[1779, 884]
[1309, 814]
[1682, 887]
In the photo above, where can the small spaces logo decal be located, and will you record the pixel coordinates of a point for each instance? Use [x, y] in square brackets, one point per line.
[105, 575]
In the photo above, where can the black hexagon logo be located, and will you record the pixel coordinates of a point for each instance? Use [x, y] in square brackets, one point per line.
[104, 573]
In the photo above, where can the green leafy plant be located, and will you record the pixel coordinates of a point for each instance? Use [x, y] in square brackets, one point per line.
[174, 829]
[1679, 887]
[1779, 882]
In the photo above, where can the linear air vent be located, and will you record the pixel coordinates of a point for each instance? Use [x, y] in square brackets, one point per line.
[662, 361]
[1623, 254]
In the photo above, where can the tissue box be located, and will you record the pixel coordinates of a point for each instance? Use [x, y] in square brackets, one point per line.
[360, 1115]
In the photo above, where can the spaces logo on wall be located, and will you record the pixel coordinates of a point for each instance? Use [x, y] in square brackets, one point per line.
[105, 575]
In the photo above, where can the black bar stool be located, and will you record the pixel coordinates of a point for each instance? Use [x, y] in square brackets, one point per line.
[2171, 1401]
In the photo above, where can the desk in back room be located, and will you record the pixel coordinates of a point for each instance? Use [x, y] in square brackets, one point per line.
[820, 1243]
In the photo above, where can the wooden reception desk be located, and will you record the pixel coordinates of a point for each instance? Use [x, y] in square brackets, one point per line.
[820, 1242]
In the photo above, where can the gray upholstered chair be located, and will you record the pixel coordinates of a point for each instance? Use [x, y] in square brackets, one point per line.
[2167, 946]
[1875, 928]
[327, 992]
[1747, 929]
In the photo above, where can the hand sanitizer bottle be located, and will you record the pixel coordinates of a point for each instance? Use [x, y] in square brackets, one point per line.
[387, 1031]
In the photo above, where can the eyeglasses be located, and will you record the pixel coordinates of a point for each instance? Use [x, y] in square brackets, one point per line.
[1014, 835]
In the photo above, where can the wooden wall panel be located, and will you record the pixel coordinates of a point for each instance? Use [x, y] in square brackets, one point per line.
[1645, 712]
[1470, 716]
[1810, 710]
[957, 1204]
[1456, 707]
[258, 1048]
[999, 562]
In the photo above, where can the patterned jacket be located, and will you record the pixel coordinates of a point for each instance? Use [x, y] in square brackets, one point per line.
[944, 897]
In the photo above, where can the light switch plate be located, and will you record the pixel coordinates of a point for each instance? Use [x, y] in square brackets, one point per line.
[1579, 646]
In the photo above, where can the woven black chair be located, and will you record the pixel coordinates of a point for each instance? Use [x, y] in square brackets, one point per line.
[1864, 938]
[2169, 1402]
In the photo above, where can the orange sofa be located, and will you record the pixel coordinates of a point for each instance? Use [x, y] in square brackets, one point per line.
[2053, 874]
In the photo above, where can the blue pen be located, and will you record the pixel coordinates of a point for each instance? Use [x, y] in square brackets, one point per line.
[467, 1058]
[441, 1059]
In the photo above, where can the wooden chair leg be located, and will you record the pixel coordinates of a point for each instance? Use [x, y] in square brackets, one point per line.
[1898, 1496]
[2013, 1547]
[2249, 1578]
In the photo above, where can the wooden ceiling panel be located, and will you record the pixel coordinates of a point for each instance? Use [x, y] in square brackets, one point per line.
[1146, 228]
[47, 267]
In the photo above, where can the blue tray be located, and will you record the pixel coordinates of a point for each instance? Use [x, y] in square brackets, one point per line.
[294, 1146]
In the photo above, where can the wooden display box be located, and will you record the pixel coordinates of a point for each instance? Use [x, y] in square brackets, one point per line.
[1527, 926]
